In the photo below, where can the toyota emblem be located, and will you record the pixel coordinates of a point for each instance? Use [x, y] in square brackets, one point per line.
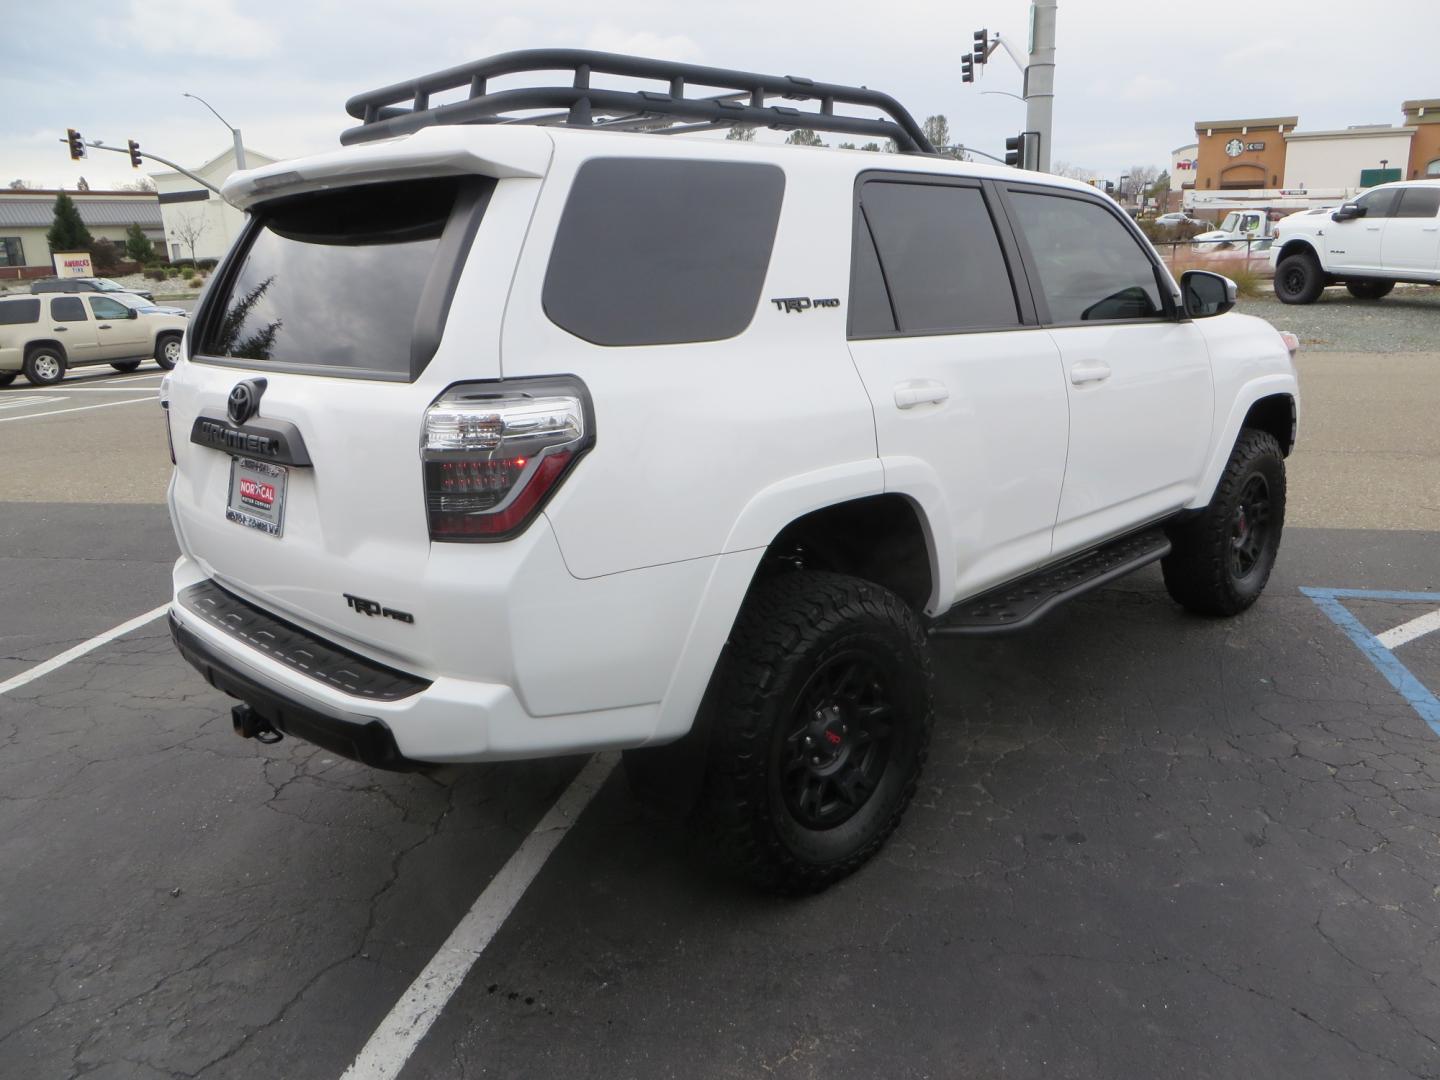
[244, 400]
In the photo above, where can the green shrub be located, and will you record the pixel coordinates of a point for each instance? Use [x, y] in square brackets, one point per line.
[196, 281]
[205, 264]
[155, 275]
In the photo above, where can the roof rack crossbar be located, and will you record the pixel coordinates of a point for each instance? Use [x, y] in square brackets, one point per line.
[405, 107]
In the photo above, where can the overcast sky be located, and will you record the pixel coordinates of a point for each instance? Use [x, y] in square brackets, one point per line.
[1131, 78]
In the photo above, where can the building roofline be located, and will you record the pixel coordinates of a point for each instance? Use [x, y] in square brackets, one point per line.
[31, 192]
[1422, 103]
[1187, 146]
[228, 150]
[1351, 133]
[1266, 121]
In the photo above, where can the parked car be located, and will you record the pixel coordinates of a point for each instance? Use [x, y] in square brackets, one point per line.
[86, 284]
[1389, 234]
[1177, 218]
[148, 307]
[712, 435]
[44, 336]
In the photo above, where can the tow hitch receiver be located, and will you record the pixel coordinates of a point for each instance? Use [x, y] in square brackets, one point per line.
[251, 725]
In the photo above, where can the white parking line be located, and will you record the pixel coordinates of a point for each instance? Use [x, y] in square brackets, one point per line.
[1399, 635]
[22, 403]
[31, 391]
[78, 408]
[407, 1023]
[41, 669]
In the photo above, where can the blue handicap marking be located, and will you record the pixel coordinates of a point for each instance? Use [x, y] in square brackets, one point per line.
[1411, 689]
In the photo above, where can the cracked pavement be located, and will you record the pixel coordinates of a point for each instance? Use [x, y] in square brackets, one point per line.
[1145, 844]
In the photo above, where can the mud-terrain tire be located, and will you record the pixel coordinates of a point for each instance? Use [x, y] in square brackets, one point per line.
[1299, 279]
[1222, 557]
[821, 724]
[1369, 290]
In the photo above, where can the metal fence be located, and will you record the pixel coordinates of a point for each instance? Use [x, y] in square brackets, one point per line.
[1253, 253]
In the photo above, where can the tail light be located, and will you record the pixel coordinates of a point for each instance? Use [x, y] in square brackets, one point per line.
[165, 408]
[494, 452]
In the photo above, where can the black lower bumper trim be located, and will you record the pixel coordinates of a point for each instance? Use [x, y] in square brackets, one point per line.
[351, 735]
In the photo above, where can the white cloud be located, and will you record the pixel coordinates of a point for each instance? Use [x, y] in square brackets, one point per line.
[1144, 87]
[608, 38]
[195, 28]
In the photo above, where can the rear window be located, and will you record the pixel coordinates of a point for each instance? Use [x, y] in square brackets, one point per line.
[15, 312]
[355, 281]
[1419, 202]
[67, 309]
[659, 252]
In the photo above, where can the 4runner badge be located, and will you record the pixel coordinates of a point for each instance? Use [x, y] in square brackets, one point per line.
[788, 304]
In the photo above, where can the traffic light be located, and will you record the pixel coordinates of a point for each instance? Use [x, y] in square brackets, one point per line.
[77, 145]
[967, 68]
[1109, 187]
[1013, 150]
[982, 46]
[134, 154]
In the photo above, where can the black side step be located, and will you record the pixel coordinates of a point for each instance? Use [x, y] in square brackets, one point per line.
[1022, 603]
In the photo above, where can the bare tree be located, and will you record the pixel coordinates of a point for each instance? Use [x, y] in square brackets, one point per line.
[1142, 176]
[144, 183]
[937, 130]
[20, 185]
[1071, 172]
[188, 229]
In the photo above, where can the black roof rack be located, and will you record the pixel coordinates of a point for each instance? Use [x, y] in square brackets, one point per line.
[742, 100]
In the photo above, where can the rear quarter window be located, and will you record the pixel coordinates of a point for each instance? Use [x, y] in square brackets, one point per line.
[661, 252]
[19, 312]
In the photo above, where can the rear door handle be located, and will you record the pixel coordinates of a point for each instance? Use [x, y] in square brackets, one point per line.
[61, 329]
[920, 392]
[103, 326]
[1088, 371]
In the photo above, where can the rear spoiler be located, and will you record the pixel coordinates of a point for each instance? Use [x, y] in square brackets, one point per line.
[501, 152]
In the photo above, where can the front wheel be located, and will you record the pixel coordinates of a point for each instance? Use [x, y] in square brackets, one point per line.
[822, 724]
[125, 366]
[1221, 559]
[1299, 279]
[167, 351]
[45, 366]
[1369, 290]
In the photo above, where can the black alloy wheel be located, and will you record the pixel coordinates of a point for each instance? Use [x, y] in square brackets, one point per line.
[1250, 527]
[838, 743]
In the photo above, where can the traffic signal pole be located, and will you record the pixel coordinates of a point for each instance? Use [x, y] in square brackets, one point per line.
[153, 157]
[1040, 79]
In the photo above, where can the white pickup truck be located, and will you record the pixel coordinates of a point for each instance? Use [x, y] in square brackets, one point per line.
[1389, 234]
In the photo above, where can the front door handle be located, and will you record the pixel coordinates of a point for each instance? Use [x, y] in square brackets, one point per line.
[103, 326]
[1089, 371]
[920, 392]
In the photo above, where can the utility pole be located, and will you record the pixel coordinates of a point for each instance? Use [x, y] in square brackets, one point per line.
[1040, 78]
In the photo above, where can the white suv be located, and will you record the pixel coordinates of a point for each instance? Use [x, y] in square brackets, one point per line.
[502, 441]
[1389, 234]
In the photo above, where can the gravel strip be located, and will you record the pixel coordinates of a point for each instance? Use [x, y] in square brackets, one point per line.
[1408, 320]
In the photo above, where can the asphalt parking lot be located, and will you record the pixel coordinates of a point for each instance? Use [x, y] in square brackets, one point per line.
[1146, 844]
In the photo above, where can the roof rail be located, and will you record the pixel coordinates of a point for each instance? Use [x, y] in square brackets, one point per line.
[742, 100]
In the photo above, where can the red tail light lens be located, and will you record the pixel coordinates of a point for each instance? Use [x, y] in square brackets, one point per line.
[494, 452]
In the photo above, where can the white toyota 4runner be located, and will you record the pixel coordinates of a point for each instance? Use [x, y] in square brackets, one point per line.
[498, 441]
[1389, 234]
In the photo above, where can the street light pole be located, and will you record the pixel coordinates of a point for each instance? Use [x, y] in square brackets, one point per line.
[1040, 78]
[239, 143]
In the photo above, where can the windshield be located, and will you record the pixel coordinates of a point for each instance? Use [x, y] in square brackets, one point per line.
[106, 285]
[1231, 222]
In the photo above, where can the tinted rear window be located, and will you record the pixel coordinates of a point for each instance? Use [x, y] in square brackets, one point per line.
[338, 280]
[1419, 202]
[15, 312]
[67, 309]
[655, 252]
[940, 257]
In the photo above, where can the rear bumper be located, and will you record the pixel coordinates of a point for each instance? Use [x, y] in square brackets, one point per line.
[351, 735]
[444, 720]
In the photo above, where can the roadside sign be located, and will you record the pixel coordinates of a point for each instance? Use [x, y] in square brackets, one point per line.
[72, 264]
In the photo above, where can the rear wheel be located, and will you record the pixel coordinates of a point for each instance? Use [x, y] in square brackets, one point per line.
[822, 724]
[44, 366]
[1369, 290]
[7, 377]
[125, 365]
[1222, 558]
[1298, 279]
[167, 351]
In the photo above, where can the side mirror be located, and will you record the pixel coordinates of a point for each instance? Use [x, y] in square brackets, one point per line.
[1348, 212]
[1205, 294]
[131, 313]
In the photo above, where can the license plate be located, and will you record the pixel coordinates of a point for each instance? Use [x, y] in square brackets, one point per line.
[257, 495]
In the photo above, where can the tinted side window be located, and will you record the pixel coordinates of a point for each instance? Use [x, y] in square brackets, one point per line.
[15, 312]
[940, 256]
[105, 308]
[67, 309]
[870, 312]
[1419, 202]
[1380, 203]
[656, 252]
[1091, 269]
